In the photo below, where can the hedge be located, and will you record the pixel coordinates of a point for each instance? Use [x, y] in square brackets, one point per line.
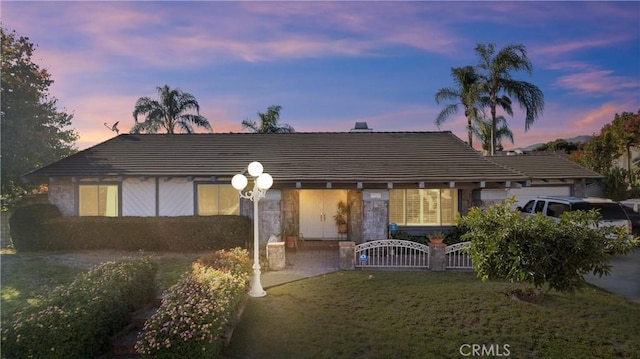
[25, 229]
[196, 313]
[177, 234]
[77, 320]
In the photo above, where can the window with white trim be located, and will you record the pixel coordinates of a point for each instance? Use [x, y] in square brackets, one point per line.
[423, 207]
[217, 199]
[98, 200]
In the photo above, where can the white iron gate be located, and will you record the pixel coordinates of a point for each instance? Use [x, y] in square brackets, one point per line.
[392, 253]
[457, 256]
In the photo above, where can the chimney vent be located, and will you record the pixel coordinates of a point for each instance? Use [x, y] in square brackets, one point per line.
[361, 127]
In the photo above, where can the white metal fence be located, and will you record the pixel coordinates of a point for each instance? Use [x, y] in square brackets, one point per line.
[392, 253]
[457, 256]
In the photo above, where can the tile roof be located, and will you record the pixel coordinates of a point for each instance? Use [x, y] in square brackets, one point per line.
[305, 157]
[545, 165]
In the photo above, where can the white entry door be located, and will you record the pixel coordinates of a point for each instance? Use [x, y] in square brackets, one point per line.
[317, 208]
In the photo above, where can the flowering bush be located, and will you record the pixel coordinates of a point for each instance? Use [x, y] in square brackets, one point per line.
[196, 312]
[77, 320]
[235, 260]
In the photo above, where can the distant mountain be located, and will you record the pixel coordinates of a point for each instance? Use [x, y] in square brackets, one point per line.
[578, 139]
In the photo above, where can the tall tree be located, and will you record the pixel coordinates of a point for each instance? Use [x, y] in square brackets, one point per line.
[598, 153]
[603, 151]
[495, 72]
[482, 130]
[627, 129]
[34, 131]
[168, 113]
[465, 94]
[269, 122]
[614, 140]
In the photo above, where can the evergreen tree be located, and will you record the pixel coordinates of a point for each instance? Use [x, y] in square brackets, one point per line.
[34, 132]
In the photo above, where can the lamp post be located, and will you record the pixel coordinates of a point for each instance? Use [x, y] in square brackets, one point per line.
[261, 183]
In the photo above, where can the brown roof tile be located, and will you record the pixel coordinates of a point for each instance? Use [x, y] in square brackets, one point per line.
[340, 157]
[545, 165]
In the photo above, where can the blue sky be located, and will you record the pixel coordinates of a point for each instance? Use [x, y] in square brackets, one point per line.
[329, 64]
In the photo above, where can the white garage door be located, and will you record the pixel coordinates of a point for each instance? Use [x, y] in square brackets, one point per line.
[523, 195]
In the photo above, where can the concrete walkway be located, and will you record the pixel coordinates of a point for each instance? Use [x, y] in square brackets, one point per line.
[303, 264]
[625, 276]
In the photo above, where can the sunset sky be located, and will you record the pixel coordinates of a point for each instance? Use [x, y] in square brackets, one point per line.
[329, 64]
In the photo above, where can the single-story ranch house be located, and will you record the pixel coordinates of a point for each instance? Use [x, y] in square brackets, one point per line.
[419, 180]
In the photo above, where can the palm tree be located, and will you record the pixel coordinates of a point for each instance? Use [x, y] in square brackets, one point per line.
[483, 130]
[465, 94]
[268, 122]
[498, 85]
[168, 113]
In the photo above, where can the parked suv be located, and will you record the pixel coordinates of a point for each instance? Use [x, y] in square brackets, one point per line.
[632, 207]
[612, 212]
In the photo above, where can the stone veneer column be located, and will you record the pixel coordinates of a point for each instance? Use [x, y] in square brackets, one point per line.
[354, 199]
[62, 193]
[437, 257]
[375, 214]
[347, 255]
[276, 255]
[269, 212]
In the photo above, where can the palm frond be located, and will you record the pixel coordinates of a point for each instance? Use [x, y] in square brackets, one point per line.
[169, 112]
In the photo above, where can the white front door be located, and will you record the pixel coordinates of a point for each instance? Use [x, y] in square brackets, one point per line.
[317, 208]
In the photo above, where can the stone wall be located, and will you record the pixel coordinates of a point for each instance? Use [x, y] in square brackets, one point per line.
[62, 193]
[269, 209]
[290, 207]
[354, 199]
[375, 218]
[466, 200]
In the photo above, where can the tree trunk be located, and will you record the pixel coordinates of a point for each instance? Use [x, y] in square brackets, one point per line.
[494, 125]
[470, 132]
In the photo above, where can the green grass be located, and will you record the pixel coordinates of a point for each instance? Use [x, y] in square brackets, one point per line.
[25, 276]
[430, 315]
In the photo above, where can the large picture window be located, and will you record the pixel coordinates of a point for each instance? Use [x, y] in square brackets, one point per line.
[423, 207]
[217, 199]
[98, 200]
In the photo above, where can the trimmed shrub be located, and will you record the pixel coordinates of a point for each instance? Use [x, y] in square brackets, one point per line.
[196, 313]
[77, 320]
[26, 228]
[177, 234]
[540, 250]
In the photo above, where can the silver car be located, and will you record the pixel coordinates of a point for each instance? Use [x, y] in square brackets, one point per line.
[612, 212]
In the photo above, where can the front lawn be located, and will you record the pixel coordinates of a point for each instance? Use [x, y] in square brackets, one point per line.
[379, 314]
[25, 275]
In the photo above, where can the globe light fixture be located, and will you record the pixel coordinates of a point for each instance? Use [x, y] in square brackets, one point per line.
[255, 169]
[264, 181]
[261, 183]
[239, 182]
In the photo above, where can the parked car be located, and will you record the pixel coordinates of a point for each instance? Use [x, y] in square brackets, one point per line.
[613, 213]
[632, 207]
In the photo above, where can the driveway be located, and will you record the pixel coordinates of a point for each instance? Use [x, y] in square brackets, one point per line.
[625, 276]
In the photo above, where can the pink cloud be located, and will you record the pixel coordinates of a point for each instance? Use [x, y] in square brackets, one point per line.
[564, 47]
[597, 82]
[598, 117]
